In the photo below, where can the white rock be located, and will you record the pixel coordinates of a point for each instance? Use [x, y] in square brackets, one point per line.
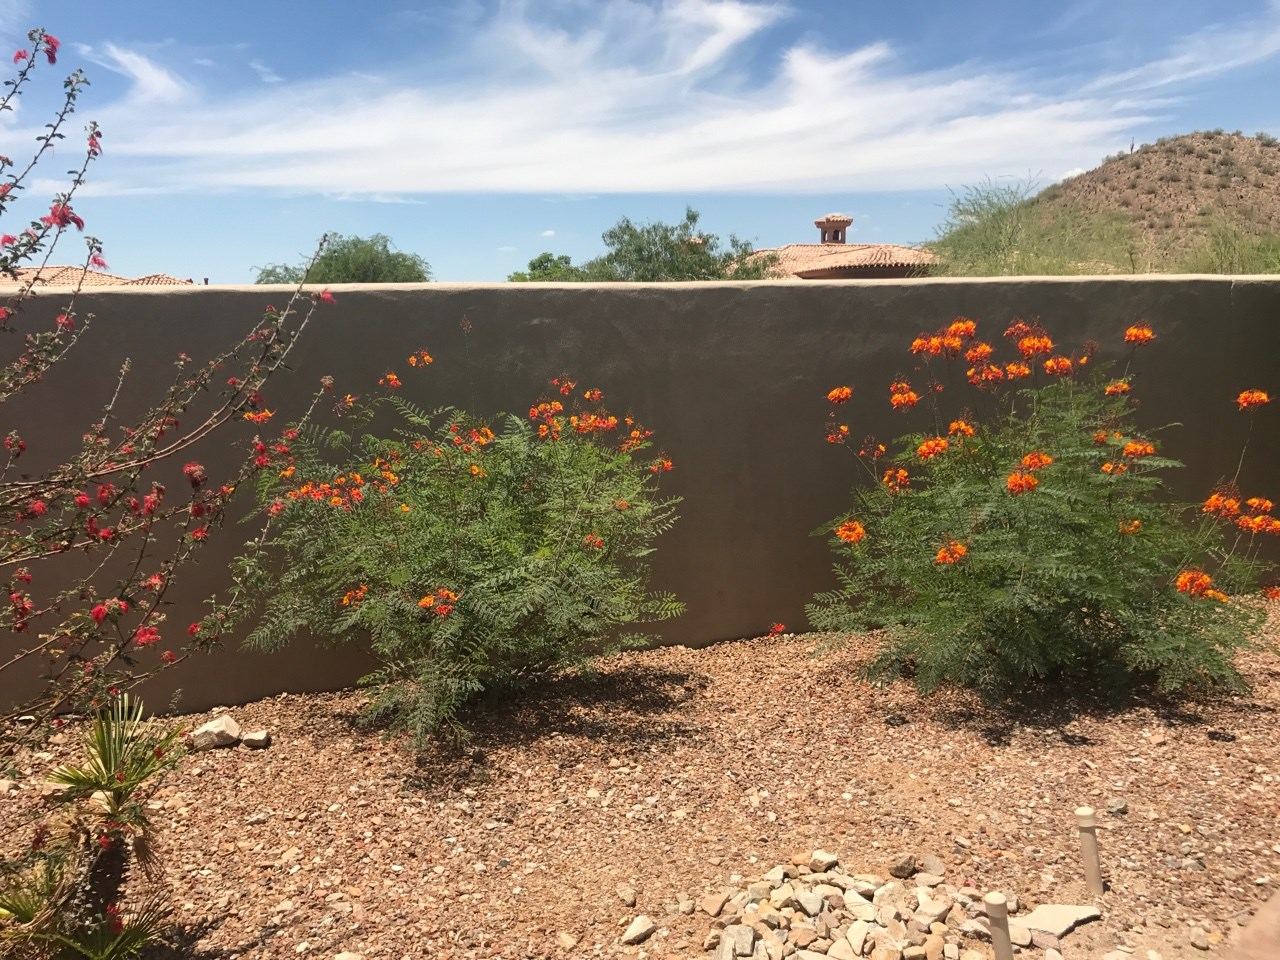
[567, 941]
[221, 732]
[841, 950]
[348, 955]
[821, 861]
[742, 937]
[856, 935]
[808, 901]
[641, 929]
[8, 786]
[1058, 919]
[626, 895]
[1020, 935]
[257, 740]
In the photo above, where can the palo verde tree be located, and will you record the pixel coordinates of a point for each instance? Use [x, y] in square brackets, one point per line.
[352, 260]
[656, 252]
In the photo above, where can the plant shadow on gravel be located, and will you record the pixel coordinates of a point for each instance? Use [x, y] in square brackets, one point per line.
[1051, 709]
[624, 708]
[180, 943]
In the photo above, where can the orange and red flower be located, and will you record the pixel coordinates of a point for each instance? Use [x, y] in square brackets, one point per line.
[1036, 460]
[896, 479]
[951, 552]
[960, 428]
[840, 395]
[1138, 448]
[851, 531]
[1130, 527]
[1018, 483]
[1117, 388]
[933, 447]
[1249, 399]
[1058, 366]
[1139, 334]
[901, 396]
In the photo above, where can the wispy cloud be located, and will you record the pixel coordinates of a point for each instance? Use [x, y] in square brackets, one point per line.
[265, 73]
[644, 97]
[149, 82]
[548, 233]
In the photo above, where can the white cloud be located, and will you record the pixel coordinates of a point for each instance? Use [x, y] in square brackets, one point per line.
[548, 233]
[505, 249]
[204, 62]
[150, 83]
[265, 73]
[1073, 172]
[640, 96]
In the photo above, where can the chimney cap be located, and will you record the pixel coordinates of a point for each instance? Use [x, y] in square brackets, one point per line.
[833, 219]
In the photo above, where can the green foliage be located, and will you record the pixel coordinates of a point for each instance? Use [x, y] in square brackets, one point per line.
[996, 229]
[472, 554]
[1229, 250]
[352, 260]
[990, 571]
[656, 252]
[62, 898]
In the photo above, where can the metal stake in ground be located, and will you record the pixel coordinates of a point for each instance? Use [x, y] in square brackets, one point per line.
[1087, 824]
[998, 914]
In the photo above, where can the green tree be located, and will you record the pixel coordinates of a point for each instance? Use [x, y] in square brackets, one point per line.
[547, 267]
[353, 260]
[656, 252]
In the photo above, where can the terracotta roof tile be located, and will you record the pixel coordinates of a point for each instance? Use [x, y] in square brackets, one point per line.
[70, 277]
[798, 259]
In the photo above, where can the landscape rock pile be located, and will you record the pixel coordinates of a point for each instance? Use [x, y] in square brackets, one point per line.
[811, 909]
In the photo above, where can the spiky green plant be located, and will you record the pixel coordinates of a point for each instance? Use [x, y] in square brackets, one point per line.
[62, 898]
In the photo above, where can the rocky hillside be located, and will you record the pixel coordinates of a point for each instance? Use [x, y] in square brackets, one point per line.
[1173, 192]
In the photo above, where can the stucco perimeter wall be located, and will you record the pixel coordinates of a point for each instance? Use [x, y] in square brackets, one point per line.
[731, 376]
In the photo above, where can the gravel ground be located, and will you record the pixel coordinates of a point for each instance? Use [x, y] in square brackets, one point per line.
[673, 770]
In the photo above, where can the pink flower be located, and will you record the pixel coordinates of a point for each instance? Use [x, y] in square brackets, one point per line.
[66, 323]
[105, 492]
[168, 657]
[97, 261]
[19, 56]
[195, 473]
[61, 215]
[324, 296]
[51, 45]
[146, 636]
[200, 533]
[194, 629]
[8, 239]
[99, 613]
[37, 508]
[82, 500]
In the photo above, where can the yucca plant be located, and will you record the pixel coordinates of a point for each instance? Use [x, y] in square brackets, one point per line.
[62, 898]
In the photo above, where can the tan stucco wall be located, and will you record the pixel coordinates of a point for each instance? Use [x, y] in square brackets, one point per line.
[731, 376]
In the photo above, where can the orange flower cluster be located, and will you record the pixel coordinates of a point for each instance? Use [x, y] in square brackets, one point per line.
[851, 531]
[1130, 527]
[595, 396]
[421, 357]
[985, 374]
[661, 466]
[1261, 504]
[259, 416]
[1036, 460]
[637, 436]
[342, 492]
[1271, 592]
[960, 428]
[1138, 448]
[902, 396]
[1196, 583]
[1016, 371]
[896, 479]
[1034, 345]
[1058, 366]
[352, 598]
[840, 395]
[978, 353]
[1249, 399]
[441, 602]
[593, 541]
[872, 449]
[947, 342]
[390, 381]
[1019, 483]
[551, 424]
[1117, 388]
[838, 434]
[1221, 505]
[564, 383]
[933, 447]
[1139, 334]
[951, 552]
[1114, 469]
[591, 423]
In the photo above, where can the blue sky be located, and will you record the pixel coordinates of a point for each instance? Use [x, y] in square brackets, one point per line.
[480, 132]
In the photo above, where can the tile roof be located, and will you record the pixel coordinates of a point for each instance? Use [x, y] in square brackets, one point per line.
[799, 259]
[70, 277]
